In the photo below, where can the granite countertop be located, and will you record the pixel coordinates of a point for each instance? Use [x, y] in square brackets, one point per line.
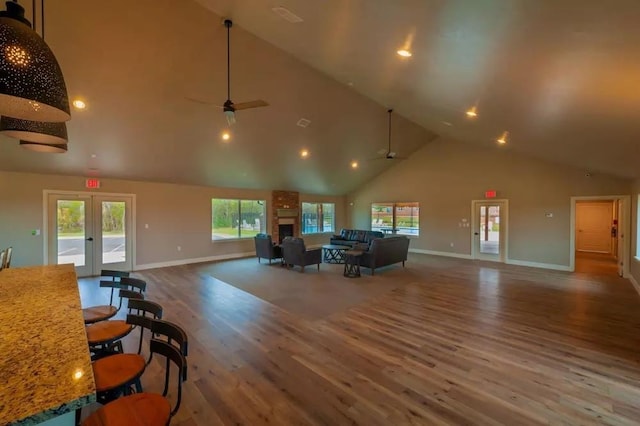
[45, 367]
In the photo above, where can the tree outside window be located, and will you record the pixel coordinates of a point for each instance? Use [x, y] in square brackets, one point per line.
[237, 218]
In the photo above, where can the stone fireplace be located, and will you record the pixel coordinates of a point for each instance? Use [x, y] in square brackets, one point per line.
[285, 214]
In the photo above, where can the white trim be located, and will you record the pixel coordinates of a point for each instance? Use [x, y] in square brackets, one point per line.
[194, 260]
[441, 253]
[626, 231]
[540, 265]
[634, 282]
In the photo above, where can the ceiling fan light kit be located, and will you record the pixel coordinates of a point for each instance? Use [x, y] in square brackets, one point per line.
[32, 86]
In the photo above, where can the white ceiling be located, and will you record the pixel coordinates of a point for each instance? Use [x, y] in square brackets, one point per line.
[562, 76]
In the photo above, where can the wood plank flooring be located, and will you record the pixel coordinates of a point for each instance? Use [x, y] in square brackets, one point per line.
[460, 342]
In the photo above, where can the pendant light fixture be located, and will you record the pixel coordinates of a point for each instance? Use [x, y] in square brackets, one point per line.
[31, 82]
[44, 147]
[34, 131]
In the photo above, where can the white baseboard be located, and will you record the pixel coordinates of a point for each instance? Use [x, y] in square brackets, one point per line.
[195, 260]
[553, 266]
[635, 283]
[441, 253]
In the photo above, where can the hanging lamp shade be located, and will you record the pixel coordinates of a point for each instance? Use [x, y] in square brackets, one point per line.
[44, 147]
[31, 83]
[34, 131]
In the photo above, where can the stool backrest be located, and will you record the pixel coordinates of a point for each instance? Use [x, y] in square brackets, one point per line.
[7, 258]
[113, 281]
[173, 355]
[139, 311]
[2, 255]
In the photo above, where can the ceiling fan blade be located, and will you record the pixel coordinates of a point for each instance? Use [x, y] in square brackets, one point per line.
[202, 101]
[250, 104]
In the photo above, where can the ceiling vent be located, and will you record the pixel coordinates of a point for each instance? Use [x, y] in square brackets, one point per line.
[303, 122]
[287, 15]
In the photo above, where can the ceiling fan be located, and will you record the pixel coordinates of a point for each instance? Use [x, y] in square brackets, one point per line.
[388, 154]
[229, 107]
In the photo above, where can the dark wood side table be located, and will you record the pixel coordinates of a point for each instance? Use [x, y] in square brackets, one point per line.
[352, 263]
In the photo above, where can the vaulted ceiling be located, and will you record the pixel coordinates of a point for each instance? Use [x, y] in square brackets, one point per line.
[562, 77]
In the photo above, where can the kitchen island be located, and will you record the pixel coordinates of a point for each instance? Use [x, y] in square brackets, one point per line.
[45, 367]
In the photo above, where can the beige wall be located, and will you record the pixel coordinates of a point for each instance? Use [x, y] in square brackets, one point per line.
[177, 215]
[445, 176]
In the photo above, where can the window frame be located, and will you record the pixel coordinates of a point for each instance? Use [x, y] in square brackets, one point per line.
[391, 208]
[320, 218]
[239, 237]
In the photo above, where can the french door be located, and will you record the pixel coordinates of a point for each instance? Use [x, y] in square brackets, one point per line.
[93, 232]
[489, 226]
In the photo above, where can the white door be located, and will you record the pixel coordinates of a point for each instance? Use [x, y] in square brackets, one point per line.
[593, 226]
[489, 226]
[620, 233]
[91, 231]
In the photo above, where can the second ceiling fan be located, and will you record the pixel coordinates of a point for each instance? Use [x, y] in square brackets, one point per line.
[229, 107]
[388, 154]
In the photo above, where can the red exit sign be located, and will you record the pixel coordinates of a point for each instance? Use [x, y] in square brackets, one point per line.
[490, 194]
[92, 183]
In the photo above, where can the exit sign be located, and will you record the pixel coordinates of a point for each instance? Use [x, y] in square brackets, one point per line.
[490, 194]
[92, 183]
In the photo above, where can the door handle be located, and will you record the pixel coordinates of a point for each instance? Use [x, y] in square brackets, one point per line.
[476, 233]
[90, 239]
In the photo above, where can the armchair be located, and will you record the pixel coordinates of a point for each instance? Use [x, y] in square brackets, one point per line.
[295, 253]
[265, 248]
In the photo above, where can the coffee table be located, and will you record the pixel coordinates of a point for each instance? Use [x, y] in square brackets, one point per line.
[334, 253]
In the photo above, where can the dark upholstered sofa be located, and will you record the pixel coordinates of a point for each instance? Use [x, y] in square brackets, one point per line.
[355, 237]
[265, 249]
[385, 251]
[294, 252]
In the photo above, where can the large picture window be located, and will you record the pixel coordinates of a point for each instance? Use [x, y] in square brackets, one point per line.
[318, 217]
[396, 218]
[237, 218]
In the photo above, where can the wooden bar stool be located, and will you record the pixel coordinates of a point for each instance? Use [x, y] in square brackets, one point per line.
[104, 312]
[7, 258]
[104, 336]
[115, 375]
[145, 408]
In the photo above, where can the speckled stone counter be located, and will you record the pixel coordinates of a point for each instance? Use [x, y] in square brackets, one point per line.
[45, 368]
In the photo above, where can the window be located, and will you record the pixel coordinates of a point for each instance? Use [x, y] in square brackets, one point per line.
[237, 218]
[396, 218]
[318, 217]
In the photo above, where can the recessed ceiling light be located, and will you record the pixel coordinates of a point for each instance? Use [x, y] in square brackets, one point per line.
[446, 123]
[93, 155]
[78, 104]
[404, 53]
[226, 136]
[354, 164]
[503, 138]
[473, 112]
[304, 153]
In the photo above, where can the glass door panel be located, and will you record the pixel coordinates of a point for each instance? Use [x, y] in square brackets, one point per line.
[489, 230]
[70, 236]
[114, 249]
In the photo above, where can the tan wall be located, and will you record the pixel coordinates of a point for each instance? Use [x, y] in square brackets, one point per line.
[177, 215]
[445, 176]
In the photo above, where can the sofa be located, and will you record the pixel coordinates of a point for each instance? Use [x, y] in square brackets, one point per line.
[385, 251]
[294, 252]
[266, 249]
[355, 238]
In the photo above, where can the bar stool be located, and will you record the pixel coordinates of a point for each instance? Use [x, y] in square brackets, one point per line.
[104, 312]
[104, 336]
[116, 374]
[3, 254]
[145, 408]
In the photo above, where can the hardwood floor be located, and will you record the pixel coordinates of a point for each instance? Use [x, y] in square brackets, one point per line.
[460, 342]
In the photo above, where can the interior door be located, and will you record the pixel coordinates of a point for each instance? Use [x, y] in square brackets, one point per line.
[593, 226]
[93, 232]
[489, 230]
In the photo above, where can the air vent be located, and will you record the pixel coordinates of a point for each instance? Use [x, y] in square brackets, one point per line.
[287, 15]
[303, 122]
